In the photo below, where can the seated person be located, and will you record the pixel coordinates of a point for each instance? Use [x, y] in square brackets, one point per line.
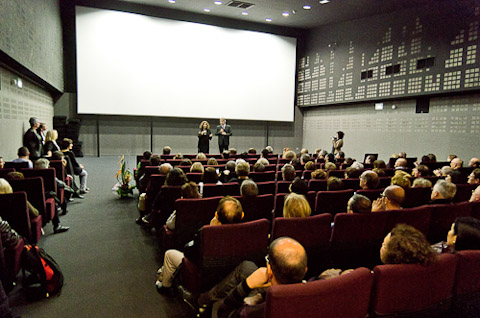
[330, 166]
[319, 174]
[242, 170]
[379, 172]
[286, 264]
[229, 172]
[474, 177]
[359, 204]
[402, 179]
[24, 156]
[212, 162]
[296, 206]
[406, 245]
[391, 199]
[475, 195]
[197, 167]
[443, 192]
[249, 189]
[464, 234]
[6, 188]
[288, 172]
[298, 186]
[310, 165]
[334, 184]
[369, 180]
[78, 168]
[2, 163]
[229, 211]
[258, 167]
[380, 164]
[189, 191]
[421, 171]
[421, 183]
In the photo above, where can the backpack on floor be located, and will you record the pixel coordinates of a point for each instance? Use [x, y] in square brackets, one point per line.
[42, 276]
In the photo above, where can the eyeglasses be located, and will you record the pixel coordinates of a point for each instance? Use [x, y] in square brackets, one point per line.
[267, 259]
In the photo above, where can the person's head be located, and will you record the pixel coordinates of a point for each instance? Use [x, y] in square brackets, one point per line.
[166, 150]
[393, 197]
[299, 186]
[421, 183]
[176, 177]
[402, 179]
[357, 165]
[225, 154]
[178, 156]
[51, 135]
[212, 162]
[242, 169]
[352, 173]
[269, 148]
[379, 164]
[464, 234]
[421, 171]
[265, 153]
[330, 166]
[147, 155]
[340, 155]
[5, 187]
[406, 245]
[286, 261]
[42, 163]
[33, 122]
[379, 172]
[23, 152]
[369, 180]
[230, 166]
[185, 162]
[474, 163]
[443, 190]
[340, 134]
[249, 189]
[223, 121]
[196, 167]
[304, 158]
[432, 157]
[474, 177]
[263, 161]
[310, 165]
[370, 159]
[456, 163]
[290, 155]
[229, 211]
[330, 158]
[204, 125]
[210, 175]
[475, 195]
[155, 160]
[232, 151]
[201, 156]
[319, 174]
[2, 163]
[58, 155]
[401, 163]
[359, 204]
[288, 172]
[296, 206]
[252, 151]
[165, 168]
[258, 167]
[323, 154]
[14, 175]
[190, 191]
[454, 176]
[334, 184]
[66, 144]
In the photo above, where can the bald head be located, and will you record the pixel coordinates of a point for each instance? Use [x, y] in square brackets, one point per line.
[401, 162]
[229, 210]
[474, 163]
[288, 260]
[475, 195]
[395, 194]
[369, 180]
[456, 163]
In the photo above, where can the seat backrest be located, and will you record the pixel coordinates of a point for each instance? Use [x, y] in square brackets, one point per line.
[5, 171]
[475, 209]
[317, 185]
[13, 209]
[35, 192]
[464, 192]
[59, 169]
[372, 194]
[266, 187]
[262, 176]
[256, 208]
[418, 217]
[278, 205]
[384, 182]
[416, 197]
[282, 187]
[164, 204]
[48, 176]
[466, 289]
[345, 296]
[336, 173]
[351, 183]
[414, 288]
[16, 165]
[332, 202]
[194, 176]
[443, 215]
[215, 190]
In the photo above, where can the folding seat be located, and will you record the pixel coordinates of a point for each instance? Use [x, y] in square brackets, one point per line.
[191, 215]
[312, 232]
[356, 239]
[49, 182]
[157, 181]
[186, 169]
[256, 208]
[443, 215]
[194, 176]
[202, 161]
[411, 163]
[368, 166]
[282, 187]
[317, 185]
[418, 217]
[351, 183]
[466, 289]
[298, 173]
[5, 171]
[414, 290]
[416, 197]
[220, 167]
[389, 172]
[475, 209]
[262, 176]
[433, 179]
[336, 173]
[14, 210]
[13, 259]
[59, 170]
[278, 205]
[346, 296]
[139, 158]
[282, 161]
[16, 165]
[384, 182]
[464, 192]
[164, 204]
[311, 196]
[372, 194]
[266, 187]
[222, 248]
[271, 167]
[215, 190]
[332, 202]
[167, 157]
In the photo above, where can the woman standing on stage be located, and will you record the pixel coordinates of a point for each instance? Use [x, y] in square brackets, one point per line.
[337, 142]
[204, 136]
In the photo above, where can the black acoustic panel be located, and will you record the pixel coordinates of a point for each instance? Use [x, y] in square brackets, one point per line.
[423, 105]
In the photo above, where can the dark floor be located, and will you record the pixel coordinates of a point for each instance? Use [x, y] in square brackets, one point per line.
[108, 261]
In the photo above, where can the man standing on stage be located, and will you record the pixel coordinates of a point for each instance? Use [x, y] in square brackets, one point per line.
[223, 132]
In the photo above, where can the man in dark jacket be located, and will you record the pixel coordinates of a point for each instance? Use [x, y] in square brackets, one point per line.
[32, 140]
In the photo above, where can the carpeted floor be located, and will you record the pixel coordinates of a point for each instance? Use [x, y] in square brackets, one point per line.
[108, 261]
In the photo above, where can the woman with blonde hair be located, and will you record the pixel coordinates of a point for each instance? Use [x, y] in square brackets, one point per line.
[296, 206]
[204, 136]
[51, 143]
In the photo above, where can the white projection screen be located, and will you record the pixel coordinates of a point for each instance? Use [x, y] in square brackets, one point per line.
[131, 64]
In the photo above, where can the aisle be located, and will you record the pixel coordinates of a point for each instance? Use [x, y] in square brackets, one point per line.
[108, 261]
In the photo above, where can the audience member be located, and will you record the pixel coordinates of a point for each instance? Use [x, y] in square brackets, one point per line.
[464, 234]
[249, 189]
[2, 163]
[32, 140]
[421, 183]
[421, 171]
[474, 163]
[5, 188]
[212, 162]
[379, 172]
[369, 180]
[189, 191]
[201, 156]
[197, 167]
[24, 156]
[391, 199]
[210, 176]
[402, 179]
[298, 186]
[475, 195]
[370, 159]
[186, 162]
[263, 161]
[443, 192]
[290, 155]
[474, 177]
[400, 164]
[165, 168]
[319, 174]
[359, 204]
[380, 164]
[229, 172]
[357, 165]
[166, 150]
[178, 156]
[330, 166]
[78, 168]
[50, 143]
[242, 170]
[310, 165]
[334, 184]
[288, 172]
[258, 167]
[296, 206]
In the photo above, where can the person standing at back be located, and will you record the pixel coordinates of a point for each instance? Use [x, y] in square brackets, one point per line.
[32, 140]
[223, 132]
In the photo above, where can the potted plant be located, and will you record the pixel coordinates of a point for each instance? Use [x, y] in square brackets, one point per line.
[123, 188]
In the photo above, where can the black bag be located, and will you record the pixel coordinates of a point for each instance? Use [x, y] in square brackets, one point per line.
[44, 278]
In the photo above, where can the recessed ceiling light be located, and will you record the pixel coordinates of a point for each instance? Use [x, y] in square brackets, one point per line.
[171, 1]
[285, 14]
[324, 1]
[307, 7]
[206, 10]
[218, 3]
[244, 13]
[268, 20]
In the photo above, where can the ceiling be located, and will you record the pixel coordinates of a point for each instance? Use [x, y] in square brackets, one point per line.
[334, 11]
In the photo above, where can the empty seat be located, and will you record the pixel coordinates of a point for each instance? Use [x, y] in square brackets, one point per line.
[317, 185]
[466, 289]
[215, 190]
[256, 208]
[416, 197]
[266, 187]
[332, 202]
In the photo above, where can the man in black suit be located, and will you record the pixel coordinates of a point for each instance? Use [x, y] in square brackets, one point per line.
[32, 140]
[223, 132]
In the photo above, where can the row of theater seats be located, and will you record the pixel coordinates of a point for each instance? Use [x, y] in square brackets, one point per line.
[448, 288]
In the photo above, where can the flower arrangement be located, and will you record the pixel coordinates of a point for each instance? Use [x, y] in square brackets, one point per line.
[123, 188]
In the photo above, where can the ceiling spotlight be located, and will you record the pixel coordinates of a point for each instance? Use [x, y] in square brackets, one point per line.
[244, 13]
[285, 14]
[218, 3]
[206, 10]
[171, 1]
[294, 11]
[324, 1]
[307, 7]
[268, 20]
